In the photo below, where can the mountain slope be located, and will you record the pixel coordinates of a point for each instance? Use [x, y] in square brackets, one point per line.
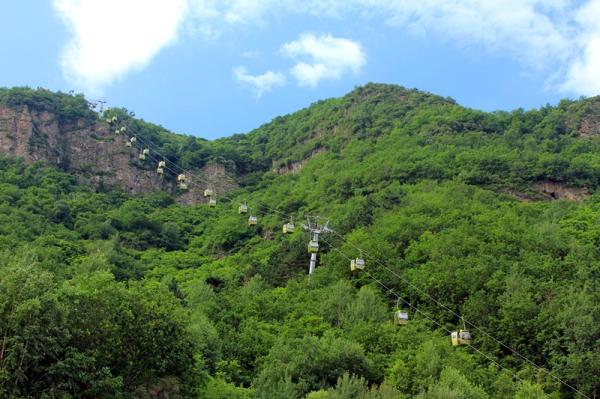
[447, 206]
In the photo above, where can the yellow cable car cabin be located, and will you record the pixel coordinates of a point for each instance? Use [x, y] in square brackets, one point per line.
[400, 317]
[313, 247]
[243, 209]
[212, 202]
[289, 228]
[123, 129]
[161, 167]
[357, 264]
[182, 186]
[133, 140]
[145, 152]
[461, 337]
[180, 178]
[128, 143]
[252, 220]
[208, 192]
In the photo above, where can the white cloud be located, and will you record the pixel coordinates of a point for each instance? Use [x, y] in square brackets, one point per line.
[259, 84]
[583, 75]
[111, 37]
[515, 27]
[328, 58]
[559, 38]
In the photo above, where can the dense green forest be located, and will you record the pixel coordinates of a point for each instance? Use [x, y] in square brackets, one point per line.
[103, 295]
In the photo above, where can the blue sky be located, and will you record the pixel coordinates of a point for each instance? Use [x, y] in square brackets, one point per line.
[212, 68]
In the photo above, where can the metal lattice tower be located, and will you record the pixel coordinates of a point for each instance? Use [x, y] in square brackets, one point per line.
[315, 225]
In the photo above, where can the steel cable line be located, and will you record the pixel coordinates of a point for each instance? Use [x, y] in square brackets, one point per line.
[381, 263]
[141, 144]
[438, 303]
[226, 198]
[149, 144]
[426, 316]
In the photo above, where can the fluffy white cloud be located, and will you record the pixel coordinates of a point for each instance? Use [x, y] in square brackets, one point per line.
[531, 30]
[111, 37]
[259, 84]
[560, 38]
[583, 75]
[328, 58]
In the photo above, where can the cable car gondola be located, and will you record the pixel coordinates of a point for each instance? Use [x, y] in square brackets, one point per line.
[181, 182]
[208, 192]
[400, 317]
[289, 227]
[161, 167]
[313, 247]
[212, 202]
[357, 264]
[252, 221]
[461, 337]
[243, 208]
[145, 152]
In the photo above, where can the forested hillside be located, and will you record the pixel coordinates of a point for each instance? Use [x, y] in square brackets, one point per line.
[465, 219]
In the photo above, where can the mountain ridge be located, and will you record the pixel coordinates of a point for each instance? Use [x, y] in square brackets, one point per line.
[462, 219]
[44, 133]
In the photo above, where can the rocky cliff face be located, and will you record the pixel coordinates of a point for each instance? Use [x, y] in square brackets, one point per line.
[97, 155]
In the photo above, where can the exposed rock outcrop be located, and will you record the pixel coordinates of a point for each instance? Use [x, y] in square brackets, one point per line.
[294, 167]
[556, 191]
[96, 155]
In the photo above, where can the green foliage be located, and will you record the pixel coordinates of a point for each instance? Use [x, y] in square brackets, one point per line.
[69, 108]
[103, 295]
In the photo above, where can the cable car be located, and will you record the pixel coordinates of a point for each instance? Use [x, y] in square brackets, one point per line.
[212, 202]
[133, 140]
[357, 264]
[252, 220]
[400, 317]
[123, 129]
[288, 228]
[128, 143]
[145, 152]
[113, 119]
[461, 337]
[313, 247]
[243, 209]
[161, 167]
[208, 192]
[181, 182]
